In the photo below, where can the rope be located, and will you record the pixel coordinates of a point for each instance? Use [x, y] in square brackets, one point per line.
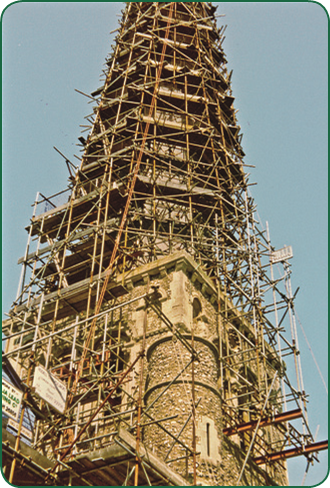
[128, 202]
[314, 358]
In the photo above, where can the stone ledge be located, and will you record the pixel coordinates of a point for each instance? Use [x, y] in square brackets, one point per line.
[169, 337]
[184, 380]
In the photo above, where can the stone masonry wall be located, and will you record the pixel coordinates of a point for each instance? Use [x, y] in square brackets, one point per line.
[167, 422]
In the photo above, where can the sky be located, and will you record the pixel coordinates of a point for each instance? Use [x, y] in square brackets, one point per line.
[278, 54]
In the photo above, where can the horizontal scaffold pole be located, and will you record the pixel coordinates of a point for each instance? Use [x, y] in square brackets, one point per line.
[276, 419]
[289, 453]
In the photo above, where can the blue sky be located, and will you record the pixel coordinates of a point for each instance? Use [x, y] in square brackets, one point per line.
[278, 53]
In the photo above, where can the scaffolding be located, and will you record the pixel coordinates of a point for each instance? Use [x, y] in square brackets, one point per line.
[161, 179]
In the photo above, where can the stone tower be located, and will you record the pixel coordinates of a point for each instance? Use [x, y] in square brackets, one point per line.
[140, 329]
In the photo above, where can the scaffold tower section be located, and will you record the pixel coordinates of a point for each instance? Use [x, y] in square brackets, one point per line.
[148, 293]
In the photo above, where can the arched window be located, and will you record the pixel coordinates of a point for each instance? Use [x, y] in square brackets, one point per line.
[208, 442]
[197, 308]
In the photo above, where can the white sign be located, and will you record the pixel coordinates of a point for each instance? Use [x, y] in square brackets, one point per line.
[49, 388]
[281, 255]
[24, 431]
[11, 400]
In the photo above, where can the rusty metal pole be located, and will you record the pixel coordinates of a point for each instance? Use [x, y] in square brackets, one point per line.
[13, 464]
[139, 410]
[193, 406]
